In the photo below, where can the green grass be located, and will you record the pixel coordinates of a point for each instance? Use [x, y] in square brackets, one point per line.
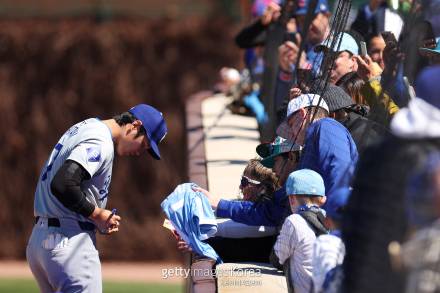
[30, 286]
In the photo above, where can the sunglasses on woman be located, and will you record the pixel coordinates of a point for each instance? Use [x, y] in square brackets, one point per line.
[245, 181]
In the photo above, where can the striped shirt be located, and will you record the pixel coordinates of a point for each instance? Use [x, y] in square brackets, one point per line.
[295, 243]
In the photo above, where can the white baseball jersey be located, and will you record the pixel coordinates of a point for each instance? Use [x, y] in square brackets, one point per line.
[90, 144]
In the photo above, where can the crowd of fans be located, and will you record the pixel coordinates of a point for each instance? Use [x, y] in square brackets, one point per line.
[350, 184]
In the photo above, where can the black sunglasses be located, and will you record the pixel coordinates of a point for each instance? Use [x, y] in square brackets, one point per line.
[245, 181]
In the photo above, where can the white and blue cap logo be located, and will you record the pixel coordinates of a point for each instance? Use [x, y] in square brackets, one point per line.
[154, 124]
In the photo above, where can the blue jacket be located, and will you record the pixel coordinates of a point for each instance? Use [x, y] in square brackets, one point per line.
[265, 213]
[193, 218]
[329, 150]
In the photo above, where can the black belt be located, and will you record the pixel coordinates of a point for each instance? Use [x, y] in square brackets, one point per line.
[55, 222]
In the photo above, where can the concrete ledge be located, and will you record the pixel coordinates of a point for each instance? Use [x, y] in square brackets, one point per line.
[197, 169]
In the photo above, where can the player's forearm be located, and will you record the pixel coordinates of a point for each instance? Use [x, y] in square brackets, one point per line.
[66, 187]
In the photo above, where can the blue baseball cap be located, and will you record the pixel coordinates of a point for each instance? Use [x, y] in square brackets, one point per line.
[348, 43]
[305, 182]
[302, 6]
[336, 200]
[154, 124]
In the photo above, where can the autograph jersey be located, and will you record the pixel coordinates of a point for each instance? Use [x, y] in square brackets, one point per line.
[90, 144]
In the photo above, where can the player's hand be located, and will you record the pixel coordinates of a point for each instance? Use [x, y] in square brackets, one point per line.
[105, 221]
[213, 200]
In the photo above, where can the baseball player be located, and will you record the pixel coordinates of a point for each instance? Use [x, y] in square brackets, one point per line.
[72, 192]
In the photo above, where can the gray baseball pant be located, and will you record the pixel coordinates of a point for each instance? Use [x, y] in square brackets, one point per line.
[64, 259]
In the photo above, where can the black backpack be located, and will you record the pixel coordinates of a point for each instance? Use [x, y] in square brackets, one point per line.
[315, 219]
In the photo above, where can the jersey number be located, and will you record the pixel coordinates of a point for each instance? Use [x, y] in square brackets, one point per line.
[56, 152]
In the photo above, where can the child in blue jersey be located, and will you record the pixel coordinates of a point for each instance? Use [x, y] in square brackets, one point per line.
[238, 240]
[282, 157]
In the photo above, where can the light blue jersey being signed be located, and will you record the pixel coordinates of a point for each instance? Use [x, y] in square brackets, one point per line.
[193, 218]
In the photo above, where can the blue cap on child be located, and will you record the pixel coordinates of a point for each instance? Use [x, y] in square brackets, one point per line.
[305, 182]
